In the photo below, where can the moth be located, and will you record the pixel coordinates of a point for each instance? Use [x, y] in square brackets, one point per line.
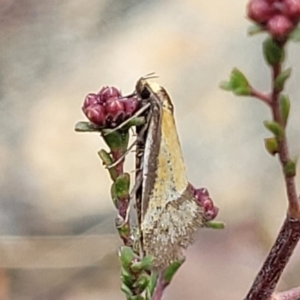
[169, 214]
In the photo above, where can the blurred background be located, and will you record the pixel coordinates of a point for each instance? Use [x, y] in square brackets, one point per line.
[57, 238]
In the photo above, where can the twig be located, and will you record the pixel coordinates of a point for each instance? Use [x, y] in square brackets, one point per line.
[293, 294]
[260, 96]
[160, 287]
[276, 261]
[289, 235]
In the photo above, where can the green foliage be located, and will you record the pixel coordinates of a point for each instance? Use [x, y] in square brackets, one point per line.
[121, 186]
[285, 106]
[107, 161]
[271, 145]
[238, 84]
[87, 127]
[255, 29]
[273, 52]
[281, 79]
[171, 270]
[215, 225]
[275, 128]
[290, 168]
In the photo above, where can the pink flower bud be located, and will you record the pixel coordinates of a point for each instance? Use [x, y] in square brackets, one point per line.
[293, 10]
[114, 106]
[260, 11]
[131, 105]
[89, 100]
[96, 114]
[115, 112]
[107, 93]
[279, 26]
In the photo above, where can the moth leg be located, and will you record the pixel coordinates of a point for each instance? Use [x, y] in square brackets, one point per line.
[138, 113]
[122, 157]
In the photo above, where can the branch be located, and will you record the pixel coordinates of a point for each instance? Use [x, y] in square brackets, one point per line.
[292, 294]
[289, 235]
[276, 261]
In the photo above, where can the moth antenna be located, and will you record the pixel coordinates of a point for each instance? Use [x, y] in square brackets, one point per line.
[150, 76]
[138, 113]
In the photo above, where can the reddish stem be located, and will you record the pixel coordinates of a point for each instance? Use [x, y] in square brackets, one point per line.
[160, 287]
[260, 96]
[292, 294]
[289, 235]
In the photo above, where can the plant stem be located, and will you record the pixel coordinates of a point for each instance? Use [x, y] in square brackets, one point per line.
[289, 235]
[160, 287]
[267, 278]
[292, 294]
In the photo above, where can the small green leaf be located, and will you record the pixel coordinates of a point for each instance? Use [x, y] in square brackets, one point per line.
[127, 277]
[271, 145]
[113, 195]
[136, 297]
[117, 140]
[290, 169]
[122, 185]
[126, 290]
[171, 270]
[87, 127]
[145, 264]
[126, 256]
[295, 35]
[285, 106]
[237, 83]
[273, 52]
[281, 79]
[254, 29]
[151, 284]
[107, 161]
[275, 128]
[215, 225]
[141, 282]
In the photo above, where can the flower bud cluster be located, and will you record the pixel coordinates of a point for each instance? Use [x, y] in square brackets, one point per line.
[204, 200]
[278, 17]
[108, 108]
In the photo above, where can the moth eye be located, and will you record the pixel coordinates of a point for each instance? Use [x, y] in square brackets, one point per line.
[145, 94]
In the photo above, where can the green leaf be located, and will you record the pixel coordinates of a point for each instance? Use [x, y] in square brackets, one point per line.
[122, 185]
[281, 79]
[290, 169]
[136, 297]
[126, 256]
[87, 127]
[151, 284]
[126, 290]
[145, 264]
[273, 52]
[113, 194]
[171, 270]
[215, 225]
[295, 35]
[271, 145]
[117, 140]
[237, 83]
[127, 278]
[285, 106]
[275, 128]
[107, 161]
[255, 29]
[141, 282]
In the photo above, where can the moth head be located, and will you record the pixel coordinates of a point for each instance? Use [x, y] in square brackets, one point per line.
[146, 88]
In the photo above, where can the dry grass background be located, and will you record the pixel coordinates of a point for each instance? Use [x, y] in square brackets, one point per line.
[55, 213]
